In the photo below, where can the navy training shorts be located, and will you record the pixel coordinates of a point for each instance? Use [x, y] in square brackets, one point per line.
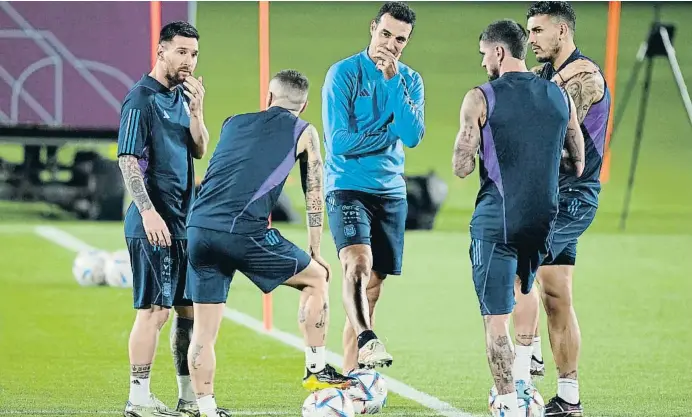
[265, 257]
[356, 217]
[158, 273]
[495, 268]
[573, 218]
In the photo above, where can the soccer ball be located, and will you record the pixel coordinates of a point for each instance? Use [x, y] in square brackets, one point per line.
[369, 395]
[89, 267]
[118, 270]
[534, 408]
[329, 402]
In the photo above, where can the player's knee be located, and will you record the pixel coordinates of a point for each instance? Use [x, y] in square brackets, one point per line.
[496, 323]
[186, 312]
[319, 285]
[556, 298]
[556, 302]
[316, 282]
[357, 267]
[373, 293]
[155, 316]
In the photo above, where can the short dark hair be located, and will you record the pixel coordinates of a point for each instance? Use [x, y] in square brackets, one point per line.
[177, 28]
[560, 9]
[293, 79]
[510, 33]
[398, 10]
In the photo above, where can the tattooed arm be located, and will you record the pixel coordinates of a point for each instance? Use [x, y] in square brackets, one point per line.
[585, 89]
[573, 154]
[133, 140]
[574, 68]
[154, 226]
[537, 69]
[134, 182]
[472, 116]
[311, 173]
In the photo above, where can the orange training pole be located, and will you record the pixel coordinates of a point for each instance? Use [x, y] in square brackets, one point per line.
[155, 27]
[611, 63]
[264, 86]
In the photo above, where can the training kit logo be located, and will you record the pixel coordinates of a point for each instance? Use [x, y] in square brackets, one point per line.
[166, 265]
[271, 238]
[349, 230]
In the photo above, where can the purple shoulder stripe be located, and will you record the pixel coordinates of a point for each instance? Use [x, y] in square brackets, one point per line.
[492, 164]
[298, 129]
[280, 172]
[489, 94]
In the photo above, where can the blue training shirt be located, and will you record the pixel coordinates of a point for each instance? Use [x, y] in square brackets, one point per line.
[367, 121]
[155, 128]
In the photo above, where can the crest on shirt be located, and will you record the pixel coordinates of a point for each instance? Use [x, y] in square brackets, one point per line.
[349, 230]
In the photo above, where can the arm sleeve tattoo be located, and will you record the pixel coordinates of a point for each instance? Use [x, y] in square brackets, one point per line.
[134, 181]
[312, 182]
[585, 89]
[573, 160]
[473, 112]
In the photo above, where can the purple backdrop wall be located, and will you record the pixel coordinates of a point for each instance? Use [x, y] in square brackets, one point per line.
[71, 63]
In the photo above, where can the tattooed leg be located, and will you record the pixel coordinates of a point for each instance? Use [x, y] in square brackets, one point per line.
[525, 316]
[142, 347]
[313, 320]
[313, 312]
[181, 333]
[500, 352]
[201, 357]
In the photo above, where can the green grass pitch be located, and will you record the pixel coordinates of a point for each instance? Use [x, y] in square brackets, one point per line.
[64, 348]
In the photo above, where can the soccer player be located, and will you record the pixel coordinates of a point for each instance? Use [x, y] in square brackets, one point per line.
[161, 130]
[519, 125]
[372, 106]
[551, 26]
[228, 231]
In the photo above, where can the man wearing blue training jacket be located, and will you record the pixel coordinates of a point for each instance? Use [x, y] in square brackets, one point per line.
[372, 105]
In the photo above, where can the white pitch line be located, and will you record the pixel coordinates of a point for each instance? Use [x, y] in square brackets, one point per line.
[404, 390]
[62, 238]
[70, 242]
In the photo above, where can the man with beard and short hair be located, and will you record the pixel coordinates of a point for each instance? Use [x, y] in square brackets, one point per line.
[519, 125]
[161, 130]
[551, 26]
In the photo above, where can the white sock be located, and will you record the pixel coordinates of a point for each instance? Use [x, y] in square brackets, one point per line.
[522, 363]
[315, 358]
[536, 345]
[512, 402]
[207, 405]
[568, 390]
[185, 390]
[139, 391]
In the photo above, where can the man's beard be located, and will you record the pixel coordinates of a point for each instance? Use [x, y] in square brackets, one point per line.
[493, 75]
[173, 79]
[553, 52]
